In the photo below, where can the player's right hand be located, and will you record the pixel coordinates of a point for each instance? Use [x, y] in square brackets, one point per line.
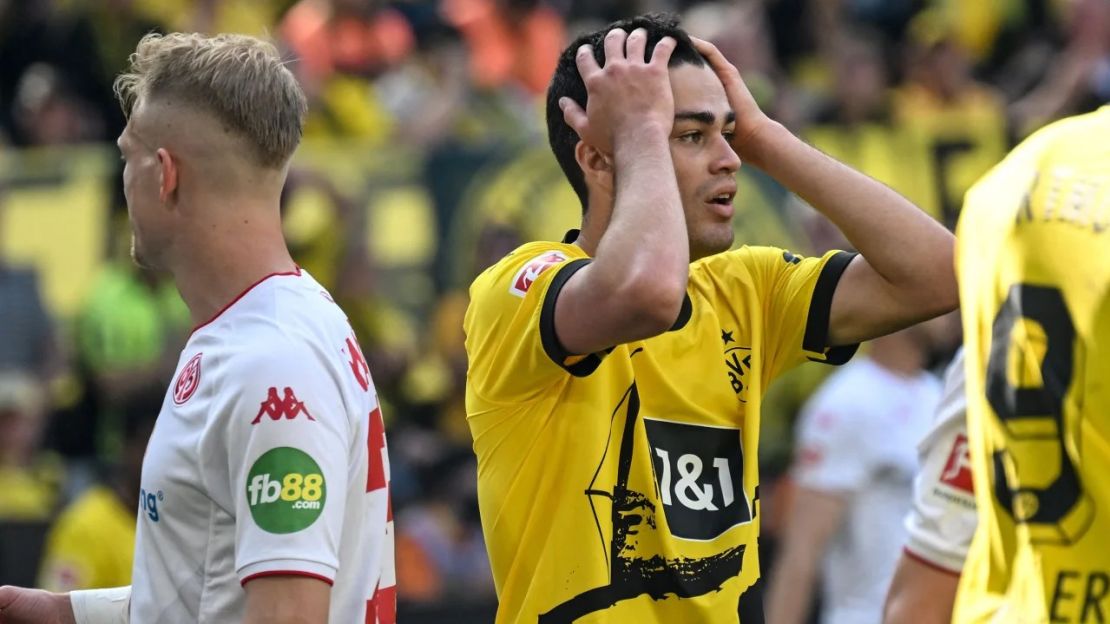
[19, 605]
[627, 95]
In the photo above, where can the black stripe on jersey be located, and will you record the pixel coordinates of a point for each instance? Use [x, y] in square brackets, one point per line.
[816, 337]
[551, 345]
[684, 314]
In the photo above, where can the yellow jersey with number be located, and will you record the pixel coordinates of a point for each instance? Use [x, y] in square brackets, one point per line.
[1034, 268]
[622, 486]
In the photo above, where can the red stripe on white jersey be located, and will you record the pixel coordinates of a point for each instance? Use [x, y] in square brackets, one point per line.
[376, 477]
[382, 608]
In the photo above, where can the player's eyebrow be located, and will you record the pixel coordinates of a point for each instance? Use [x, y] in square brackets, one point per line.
[703, 117]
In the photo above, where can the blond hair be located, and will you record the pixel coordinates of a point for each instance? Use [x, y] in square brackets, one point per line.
[238, 79]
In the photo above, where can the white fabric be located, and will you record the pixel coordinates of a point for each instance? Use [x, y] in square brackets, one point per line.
[857, 438]
[942, 520]
[197, 539]
[100, 606]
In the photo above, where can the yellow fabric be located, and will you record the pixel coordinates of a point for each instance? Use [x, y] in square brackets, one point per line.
[91, 545]
[581, 518]
[944, 147]
[1036, 232]
[30, 493]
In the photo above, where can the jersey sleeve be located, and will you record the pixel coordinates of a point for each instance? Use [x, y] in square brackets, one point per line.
[289, 444]
[793, 298]
[510, 326]
[831, 454]
[942, 520]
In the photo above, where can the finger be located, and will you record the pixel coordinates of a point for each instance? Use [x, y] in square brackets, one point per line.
[710, 52]
[574, 115]
[636, 45]
[662, 53]
[614, 44]
[587, 64]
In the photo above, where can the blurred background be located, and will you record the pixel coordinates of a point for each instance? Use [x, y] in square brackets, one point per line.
[424, 161]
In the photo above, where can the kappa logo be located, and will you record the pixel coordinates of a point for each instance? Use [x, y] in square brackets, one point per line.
[533, 269]
[276, 407]
[358, 364]
[957, 470]
[187, 380]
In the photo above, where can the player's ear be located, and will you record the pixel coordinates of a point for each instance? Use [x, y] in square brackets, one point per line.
[597, 166]
[167, 175]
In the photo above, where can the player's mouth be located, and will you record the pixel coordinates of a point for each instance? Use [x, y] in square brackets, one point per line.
[720, 203]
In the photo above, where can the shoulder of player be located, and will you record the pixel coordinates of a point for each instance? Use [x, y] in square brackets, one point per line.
[497, 277]
[749, 258]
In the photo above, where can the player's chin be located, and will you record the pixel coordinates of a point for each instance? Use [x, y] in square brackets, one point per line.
[711, 239]
[138, 256]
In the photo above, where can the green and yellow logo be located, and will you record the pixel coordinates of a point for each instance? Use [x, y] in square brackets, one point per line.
[285, 490]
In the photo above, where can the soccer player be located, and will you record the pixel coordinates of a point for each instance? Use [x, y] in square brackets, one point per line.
[615, 377]
[942, 520]
[1034, 272]
[264, 494]
[854, 466]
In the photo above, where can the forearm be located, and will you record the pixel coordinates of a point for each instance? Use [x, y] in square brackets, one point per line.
[791, 590]
[905, 246]
[646, 239]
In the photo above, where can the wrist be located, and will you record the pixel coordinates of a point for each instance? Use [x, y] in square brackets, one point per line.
[642, 132]
[64, 608]
[637, 129]
[760, 140]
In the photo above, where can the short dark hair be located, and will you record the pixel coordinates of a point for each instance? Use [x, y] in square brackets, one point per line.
[567, 82]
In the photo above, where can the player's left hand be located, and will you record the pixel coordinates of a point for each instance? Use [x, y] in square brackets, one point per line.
[750, 119]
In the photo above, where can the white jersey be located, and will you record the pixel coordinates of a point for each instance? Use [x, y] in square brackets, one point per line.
[268, 458]
[857, 437]
[942, 521]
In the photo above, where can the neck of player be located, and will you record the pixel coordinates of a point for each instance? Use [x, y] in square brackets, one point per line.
[228, 249]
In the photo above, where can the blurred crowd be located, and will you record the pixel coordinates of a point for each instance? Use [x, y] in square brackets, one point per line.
[425, 160]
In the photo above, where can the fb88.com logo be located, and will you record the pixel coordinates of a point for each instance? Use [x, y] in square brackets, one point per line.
[286, 490]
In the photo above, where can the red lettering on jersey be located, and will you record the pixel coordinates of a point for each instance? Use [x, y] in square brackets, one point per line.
[382, 608]
[358, 364]
[957, 470]
[375, 447]
[275, 407]
[187, 380]
[810, 456]
[532, 270]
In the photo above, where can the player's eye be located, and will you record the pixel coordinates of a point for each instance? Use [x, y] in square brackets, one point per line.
[691, 137]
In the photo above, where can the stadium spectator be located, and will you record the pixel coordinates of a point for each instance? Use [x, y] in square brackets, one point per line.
[30, 478]
[511, 42]
[27, 339]
[92, 543]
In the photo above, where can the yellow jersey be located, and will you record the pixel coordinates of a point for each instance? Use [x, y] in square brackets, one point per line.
[622, 486]
[1033, 257]
[91, 545]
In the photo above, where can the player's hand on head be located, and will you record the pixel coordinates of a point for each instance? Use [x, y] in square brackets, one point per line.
[749, 117]
[20, 605]
[625, 95]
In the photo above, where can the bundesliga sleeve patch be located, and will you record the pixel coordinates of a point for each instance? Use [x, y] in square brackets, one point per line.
[524, 278]
[285, 490]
